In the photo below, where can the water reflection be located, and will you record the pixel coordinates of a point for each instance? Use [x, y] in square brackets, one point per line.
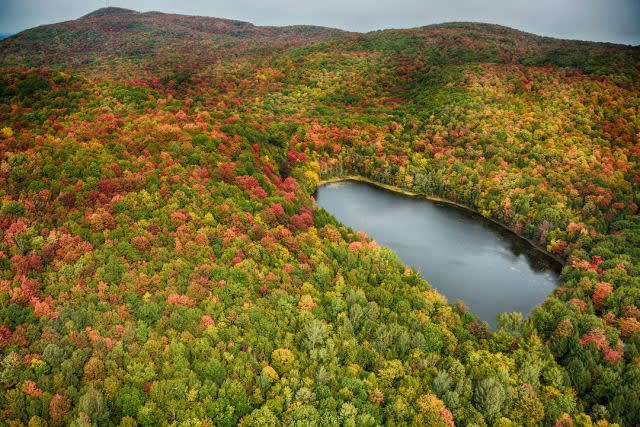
[460, 253]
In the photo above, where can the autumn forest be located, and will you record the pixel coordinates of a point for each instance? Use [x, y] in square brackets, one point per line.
[163, 260]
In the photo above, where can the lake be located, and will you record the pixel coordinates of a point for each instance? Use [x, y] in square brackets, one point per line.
[460, 253]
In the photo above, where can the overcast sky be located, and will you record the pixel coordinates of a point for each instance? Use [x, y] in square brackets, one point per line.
[600, 20]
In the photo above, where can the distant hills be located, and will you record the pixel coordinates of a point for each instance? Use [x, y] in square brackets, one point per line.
[115, 34]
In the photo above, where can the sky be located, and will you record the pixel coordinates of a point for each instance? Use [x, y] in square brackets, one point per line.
[615, 21]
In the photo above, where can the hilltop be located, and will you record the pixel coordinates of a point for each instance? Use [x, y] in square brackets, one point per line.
[140, 39]
[111, 34]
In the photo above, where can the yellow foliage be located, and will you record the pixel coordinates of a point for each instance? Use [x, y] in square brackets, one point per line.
[483, 363]
[353, 370]
[391, 371]
[432, 412]
[270, 373]
[127, 422]
[312, 178]
[36, 421]
[7, 132]
[282, 360]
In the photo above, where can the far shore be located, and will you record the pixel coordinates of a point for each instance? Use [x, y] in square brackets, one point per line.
[407, 193]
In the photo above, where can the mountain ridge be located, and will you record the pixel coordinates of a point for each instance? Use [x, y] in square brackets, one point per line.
[145, 39]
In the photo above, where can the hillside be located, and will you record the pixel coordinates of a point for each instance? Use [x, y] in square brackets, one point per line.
[162, 259]
[103, 39]
[110, 35]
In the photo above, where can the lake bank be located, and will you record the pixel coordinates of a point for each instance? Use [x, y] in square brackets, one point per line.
[398, 190]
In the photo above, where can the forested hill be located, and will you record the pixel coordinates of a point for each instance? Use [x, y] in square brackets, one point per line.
[464, 42]
[114, 34]
[162, 260]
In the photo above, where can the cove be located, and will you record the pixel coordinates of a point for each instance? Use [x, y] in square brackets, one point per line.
[460, 253]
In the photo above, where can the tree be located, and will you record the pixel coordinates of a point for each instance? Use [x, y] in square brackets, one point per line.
[231, 405]
[59, 408]
[92, 406]
[282, 359]
[129, 400]
[432, 412]
[260, 417]
[489, 396]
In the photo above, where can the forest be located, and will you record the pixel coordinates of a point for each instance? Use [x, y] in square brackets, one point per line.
[163, 261]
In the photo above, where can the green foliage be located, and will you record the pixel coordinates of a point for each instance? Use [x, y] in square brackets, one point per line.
[490, 397]
[12, 207]
[130, 399]
[93, 406]
[113, 270]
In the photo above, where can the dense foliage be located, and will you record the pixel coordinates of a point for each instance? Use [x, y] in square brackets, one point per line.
[162, 260]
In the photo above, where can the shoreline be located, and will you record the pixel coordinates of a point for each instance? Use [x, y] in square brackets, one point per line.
[395, 189]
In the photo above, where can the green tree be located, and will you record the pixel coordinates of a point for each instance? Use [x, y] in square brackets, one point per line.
[490, 396]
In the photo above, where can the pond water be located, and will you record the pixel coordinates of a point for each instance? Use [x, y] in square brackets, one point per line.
[463, 255]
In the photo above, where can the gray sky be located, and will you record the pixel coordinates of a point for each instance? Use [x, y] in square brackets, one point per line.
[600, 20]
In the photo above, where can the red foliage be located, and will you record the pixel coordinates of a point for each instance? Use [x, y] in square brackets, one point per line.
[28, 289]
[446, 417]
[200, 173]
[597, 337]
[609, 318]
[16, 227]
[180, 217]
[96, 198]
[264, 289]
[70, 248]
[5, 336]
[226, 172]
[612, 356]
[31, 389]
[25, 263]
[603, 290]
[251, 186]
[207, 321]
[302, 221]
[582, 306]
[582, 264]
[43, 308]
[68, 199]
[575, 227]
[141, 243]
[59, 407]
[295, 157]
[176, 299]
[111, 186]
[274, 214]
[355, 245]
[288, 185]
[96, 338]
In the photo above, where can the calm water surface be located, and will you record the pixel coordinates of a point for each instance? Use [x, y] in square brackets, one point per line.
[460, 253]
